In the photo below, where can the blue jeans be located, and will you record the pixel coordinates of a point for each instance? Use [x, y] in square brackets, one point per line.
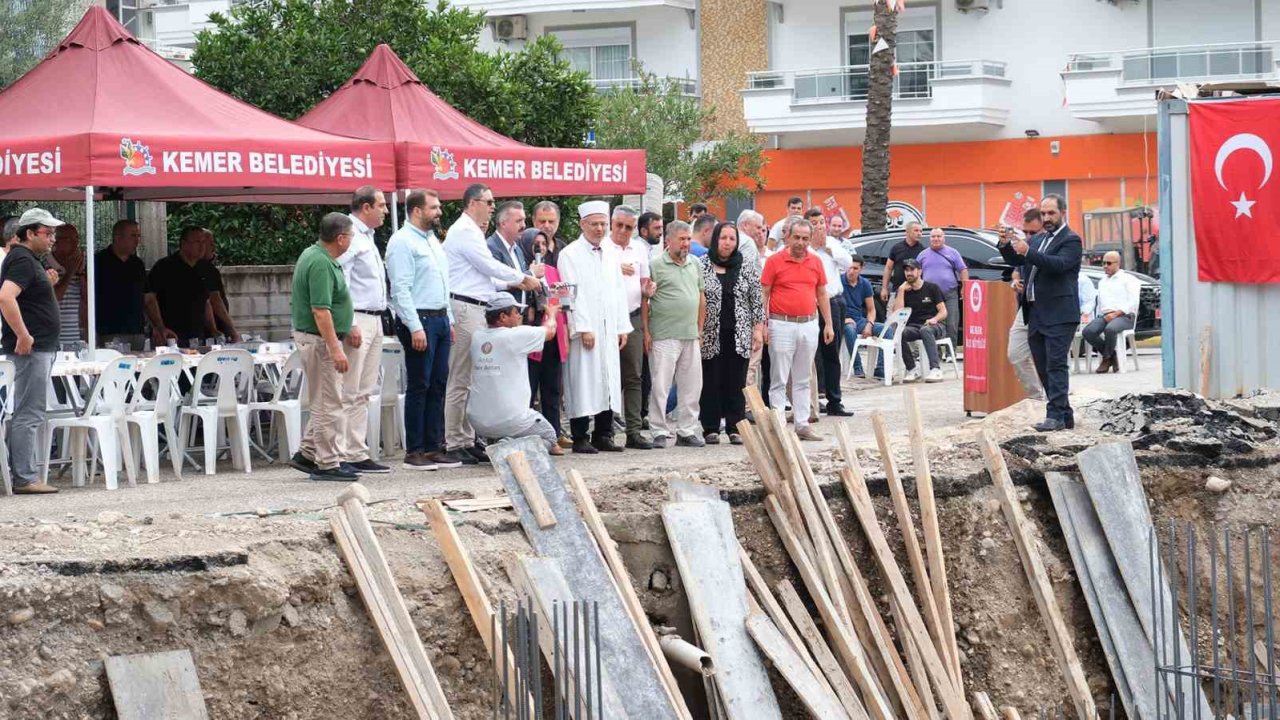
[426, 375]
[851, 333]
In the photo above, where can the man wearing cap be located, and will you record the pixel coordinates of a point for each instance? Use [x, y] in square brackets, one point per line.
[472, 273]
[498, 406]
[30, 338]
[598, 327]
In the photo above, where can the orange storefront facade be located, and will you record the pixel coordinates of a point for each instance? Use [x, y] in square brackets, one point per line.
[969, 183]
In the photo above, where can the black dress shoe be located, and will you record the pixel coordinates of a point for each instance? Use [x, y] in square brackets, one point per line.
[478, 452]
[838, 411]
[1070, 422]
[605, 445]
[584, 447]
[302, 463]
[1050, 425]
[638, 442]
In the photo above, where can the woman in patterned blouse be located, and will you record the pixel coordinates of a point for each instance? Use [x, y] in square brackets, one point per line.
[734, 325]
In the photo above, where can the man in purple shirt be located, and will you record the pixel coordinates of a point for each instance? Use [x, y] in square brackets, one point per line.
[943, 266]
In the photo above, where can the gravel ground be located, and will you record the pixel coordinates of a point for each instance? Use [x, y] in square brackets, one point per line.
[274, 488]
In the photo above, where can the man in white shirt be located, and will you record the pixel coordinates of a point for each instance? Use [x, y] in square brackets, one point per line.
[1117, 309]
[472, 273]
[367, 281]
[498, 406]
[835, 263]
[795, 206]
[631, 253]
[599, 325]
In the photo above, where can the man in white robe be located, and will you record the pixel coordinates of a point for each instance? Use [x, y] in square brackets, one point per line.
[598, 327]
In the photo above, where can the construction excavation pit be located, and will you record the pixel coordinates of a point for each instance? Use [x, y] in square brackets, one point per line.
[1121, 569]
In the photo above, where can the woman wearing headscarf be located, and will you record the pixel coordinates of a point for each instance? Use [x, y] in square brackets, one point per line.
[734, 325]
[545, 366]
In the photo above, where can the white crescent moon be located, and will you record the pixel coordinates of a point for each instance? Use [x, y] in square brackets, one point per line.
[1243, 141]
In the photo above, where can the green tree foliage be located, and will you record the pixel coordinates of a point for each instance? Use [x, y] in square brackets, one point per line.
[29, 29]
[656, 116]
[285, 56]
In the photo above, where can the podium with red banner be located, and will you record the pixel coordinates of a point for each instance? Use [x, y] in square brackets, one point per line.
[990, 383]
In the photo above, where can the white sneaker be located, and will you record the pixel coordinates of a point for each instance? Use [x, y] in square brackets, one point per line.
[935, 375]
[911, 376]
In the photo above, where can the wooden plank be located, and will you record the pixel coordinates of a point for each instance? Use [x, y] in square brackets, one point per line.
[1110, 472]
[766, 467]
[1010, 713]
[845, 644]
[906, 524]
[867, 622]
[1206, 358]
[951, 699]
[830, 668]
[1131, 659]
[570, 541]
[764, 422]
[933, 539]
[771, 607]
[985, 708]
[467, 580]
[378, 610]
[919, 676]
[532, 491]
[821, 702]
[1041, 588]
[542, 580]
[156, 686]
[703, 542]
[622, 580]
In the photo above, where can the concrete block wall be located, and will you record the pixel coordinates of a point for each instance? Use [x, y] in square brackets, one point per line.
[258, 299]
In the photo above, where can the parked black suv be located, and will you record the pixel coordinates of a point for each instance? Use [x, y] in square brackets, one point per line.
[978, 248]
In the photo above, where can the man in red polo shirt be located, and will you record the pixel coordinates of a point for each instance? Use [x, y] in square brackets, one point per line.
[795, 294]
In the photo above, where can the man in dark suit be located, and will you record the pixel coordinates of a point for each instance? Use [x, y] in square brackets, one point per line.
[1050, 263]
[505, 247]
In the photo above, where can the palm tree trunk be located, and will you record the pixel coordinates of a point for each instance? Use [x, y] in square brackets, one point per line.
[875, 146]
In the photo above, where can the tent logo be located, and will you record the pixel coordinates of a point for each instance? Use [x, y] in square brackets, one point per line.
[137, 158]
[445, 167]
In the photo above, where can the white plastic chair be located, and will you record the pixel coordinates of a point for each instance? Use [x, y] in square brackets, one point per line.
[941, 344]
[6, 413]
[105, 355]
[144, 415]
[388, 399]
[889, 342]
[1127, 350]
[234, 372]
[1081, 350]
[104, 415]
[285, 407]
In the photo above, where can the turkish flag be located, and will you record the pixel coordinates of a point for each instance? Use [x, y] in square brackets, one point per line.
[1235, 199]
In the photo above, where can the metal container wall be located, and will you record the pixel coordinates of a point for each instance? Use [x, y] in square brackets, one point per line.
[1244, 319]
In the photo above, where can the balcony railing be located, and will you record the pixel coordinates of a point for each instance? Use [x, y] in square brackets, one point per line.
[687, 86]
[1156, 66]
[914, 80]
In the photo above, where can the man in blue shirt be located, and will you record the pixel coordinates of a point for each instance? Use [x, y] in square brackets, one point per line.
[419, 276]
[702, 228]
[860, 314]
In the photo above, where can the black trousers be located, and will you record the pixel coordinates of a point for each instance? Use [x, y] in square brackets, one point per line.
[1050, 348]
[827, 358]
[646, 386]
[578, 427]
[723, 378]
[545, 382]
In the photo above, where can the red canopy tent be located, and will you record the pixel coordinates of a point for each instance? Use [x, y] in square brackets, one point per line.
[104, 113]
[438, 147]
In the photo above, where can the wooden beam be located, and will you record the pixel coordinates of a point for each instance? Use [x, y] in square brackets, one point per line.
[1041, 587]
[826, 660]
[821, 702]
[933, 539]
[773, 609]
[622, 579]
[919, 676]
[764, 421]
[867, 622]
[906, 523]
[846, 645]
[1010, 713]
[985, 708]
[767, 467]
[944, 688]
[532, 490]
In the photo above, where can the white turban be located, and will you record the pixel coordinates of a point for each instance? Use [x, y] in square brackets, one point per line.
[594, 207]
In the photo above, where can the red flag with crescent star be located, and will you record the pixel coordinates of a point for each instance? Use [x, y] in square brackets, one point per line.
[1235, 197]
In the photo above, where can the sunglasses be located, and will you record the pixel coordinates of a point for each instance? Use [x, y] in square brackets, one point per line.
[1110, 262]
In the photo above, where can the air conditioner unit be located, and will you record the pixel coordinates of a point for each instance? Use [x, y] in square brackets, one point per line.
[972, 5]
[512, 27]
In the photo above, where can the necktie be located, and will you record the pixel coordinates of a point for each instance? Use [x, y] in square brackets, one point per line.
[1031, 276]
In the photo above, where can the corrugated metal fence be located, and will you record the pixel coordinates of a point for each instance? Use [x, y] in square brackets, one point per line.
[1231, 330]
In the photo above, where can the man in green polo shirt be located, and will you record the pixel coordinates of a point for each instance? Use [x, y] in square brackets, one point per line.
[672, 319]
[322, 315]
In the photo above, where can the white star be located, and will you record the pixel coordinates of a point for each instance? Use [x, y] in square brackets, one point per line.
[1244, 206]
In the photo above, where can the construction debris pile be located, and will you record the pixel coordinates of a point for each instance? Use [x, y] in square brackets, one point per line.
[1184, 422]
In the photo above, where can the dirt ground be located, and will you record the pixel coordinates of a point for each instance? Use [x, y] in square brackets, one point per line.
[243, 571]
